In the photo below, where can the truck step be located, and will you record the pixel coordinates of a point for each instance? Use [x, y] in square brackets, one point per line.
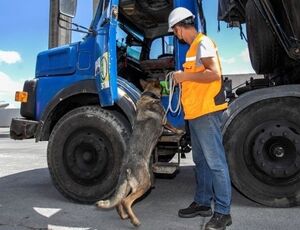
[170, 138]
[165, 168]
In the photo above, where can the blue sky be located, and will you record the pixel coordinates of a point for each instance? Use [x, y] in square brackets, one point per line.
[24, 33]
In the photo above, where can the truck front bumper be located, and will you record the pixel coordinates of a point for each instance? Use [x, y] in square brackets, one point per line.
[22, 128]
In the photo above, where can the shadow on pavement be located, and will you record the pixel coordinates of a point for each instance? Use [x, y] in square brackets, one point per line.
[38, 183]
[20, 192]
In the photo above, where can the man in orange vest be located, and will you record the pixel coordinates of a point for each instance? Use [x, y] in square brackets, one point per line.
[203, 101]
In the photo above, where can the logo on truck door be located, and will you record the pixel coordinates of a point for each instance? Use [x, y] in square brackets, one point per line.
[101, 68]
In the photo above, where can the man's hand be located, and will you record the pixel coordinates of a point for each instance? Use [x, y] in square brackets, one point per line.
[178, 76]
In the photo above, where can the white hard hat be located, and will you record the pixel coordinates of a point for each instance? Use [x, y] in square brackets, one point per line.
[177, 15]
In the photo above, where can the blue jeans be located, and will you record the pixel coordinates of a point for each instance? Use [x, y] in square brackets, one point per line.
[212, 175]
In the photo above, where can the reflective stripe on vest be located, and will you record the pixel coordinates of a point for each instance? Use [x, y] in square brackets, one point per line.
[197, 98]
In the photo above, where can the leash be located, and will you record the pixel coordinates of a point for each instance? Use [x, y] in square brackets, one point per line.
[170, 87]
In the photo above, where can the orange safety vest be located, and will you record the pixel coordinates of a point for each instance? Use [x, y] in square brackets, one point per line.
[198, 98]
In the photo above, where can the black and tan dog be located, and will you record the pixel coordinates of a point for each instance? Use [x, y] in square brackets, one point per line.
[135, 177]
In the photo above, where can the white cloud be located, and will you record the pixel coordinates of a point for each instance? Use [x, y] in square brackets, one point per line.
[228, 61]
[238, 70]
[238, 64]
[9, 57]
[8, 87]
[245, 55]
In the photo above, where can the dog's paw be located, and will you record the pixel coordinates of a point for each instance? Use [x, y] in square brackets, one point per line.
[124, 216]
[136, 222]
[103, 203]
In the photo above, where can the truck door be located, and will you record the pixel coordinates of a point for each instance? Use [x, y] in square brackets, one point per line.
[106, 64]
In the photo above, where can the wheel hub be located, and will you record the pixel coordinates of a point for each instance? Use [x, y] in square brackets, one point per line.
[86, 156]
[276, 150]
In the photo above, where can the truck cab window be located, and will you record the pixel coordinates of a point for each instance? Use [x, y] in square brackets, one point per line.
[129, 48]
[161, 58]
[130, 42]
[162, 47]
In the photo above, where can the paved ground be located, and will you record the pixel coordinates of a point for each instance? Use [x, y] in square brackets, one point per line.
[28, 200]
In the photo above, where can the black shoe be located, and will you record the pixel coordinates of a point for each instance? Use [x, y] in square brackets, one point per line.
[194, 210]
[218, 222]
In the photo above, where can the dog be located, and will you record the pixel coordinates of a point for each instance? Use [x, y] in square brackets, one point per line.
[136, 174]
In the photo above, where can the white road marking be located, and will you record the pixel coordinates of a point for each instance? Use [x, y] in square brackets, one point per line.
[55, 227]
[47, 212]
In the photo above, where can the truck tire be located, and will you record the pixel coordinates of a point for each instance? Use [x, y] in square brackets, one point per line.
[85, 152]
[264, 49]
[263, 145]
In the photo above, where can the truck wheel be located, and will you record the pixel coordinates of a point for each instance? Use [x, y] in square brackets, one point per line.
[263, 151]
[263, 47]
[85, 152]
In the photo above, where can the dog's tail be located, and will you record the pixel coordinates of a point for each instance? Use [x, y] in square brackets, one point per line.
[120, 193]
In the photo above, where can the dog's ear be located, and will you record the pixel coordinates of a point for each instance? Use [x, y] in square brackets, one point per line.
[143, 83]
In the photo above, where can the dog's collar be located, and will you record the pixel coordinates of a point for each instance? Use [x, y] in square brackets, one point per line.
[150, 94]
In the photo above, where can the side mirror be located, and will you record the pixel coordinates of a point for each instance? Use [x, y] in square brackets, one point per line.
[68, 7]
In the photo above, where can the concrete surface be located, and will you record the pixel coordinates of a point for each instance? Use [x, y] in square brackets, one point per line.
[6, 115]
[28, 199]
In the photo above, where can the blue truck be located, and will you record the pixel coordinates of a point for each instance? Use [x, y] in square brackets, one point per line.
[82, 99]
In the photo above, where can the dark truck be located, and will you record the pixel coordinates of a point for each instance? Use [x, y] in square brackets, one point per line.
[262, 126]
[82, 99]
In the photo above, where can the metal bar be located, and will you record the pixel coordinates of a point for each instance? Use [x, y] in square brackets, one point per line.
[58, 36]
[95, 5]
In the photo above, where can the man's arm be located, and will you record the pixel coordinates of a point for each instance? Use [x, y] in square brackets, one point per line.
[211, 73]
